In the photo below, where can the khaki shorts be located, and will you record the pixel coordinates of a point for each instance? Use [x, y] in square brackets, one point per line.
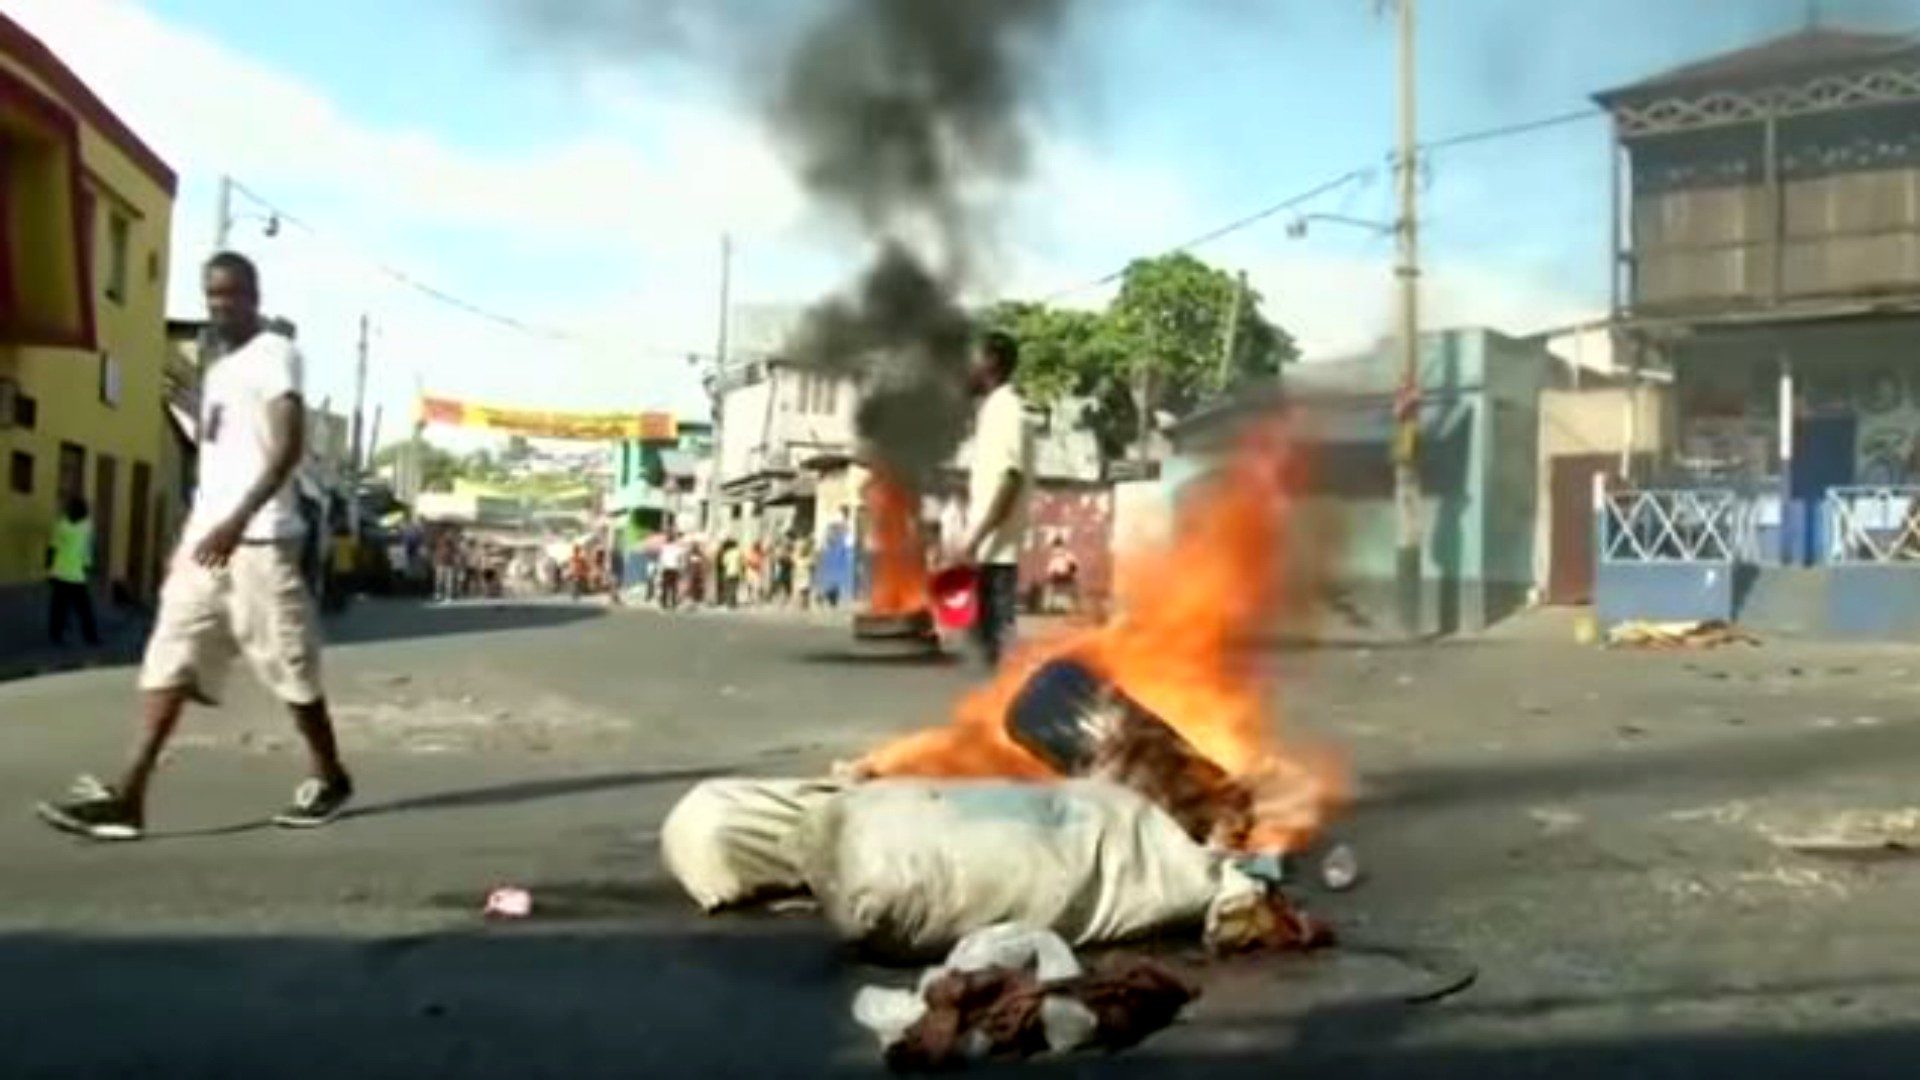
[258, 606]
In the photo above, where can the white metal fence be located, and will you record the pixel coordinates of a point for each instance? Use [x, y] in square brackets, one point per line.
[1662, 525]
[1873, 524]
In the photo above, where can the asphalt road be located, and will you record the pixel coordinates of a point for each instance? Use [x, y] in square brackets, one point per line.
[1598, 834]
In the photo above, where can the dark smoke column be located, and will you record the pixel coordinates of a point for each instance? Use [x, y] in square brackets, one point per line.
[897, 115]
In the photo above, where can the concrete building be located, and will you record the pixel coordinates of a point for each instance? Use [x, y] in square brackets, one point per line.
[1606, 427]
[83, 265]
[1479, 453]
[776, 420]
[1768, 255]
[661, 482]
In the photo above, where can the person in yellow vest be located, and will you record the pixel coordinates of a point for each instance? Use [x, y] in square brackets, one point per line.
[69, 566]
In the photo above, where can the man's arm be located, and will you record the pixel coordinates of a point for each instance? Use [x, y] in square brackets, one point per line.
[286, 435]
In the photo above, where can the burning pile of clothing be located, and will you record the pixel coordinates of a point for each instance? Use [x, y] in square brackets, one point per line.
[1124, 781]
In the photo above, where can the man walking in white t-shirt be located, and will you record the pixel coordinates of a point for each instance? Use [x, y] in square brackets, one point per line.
[673, 566]
[1000, 482]
[234, 586]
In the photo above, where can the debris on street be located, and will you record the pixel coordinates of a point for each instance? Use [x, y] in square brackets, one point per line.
[1855, 835]
[1699, 634]
[1340, 868]
[508, 902]
[1010, 992]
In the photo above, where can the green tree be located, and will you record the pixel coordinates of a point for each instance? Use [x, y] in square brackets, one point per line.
[1072, 352]
[1172, 312]
[1165, 330]
[438, 469]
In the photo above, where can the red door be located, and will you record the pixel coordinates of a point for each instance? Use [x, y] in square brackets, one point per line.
[1571, 527]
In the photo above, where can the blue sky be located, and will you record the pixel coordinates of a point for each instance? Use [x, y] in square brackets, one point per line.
[587, 194]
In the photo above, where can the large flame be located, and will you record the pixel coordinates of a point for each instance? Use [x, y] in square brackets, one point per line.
[1182, 645]
[899, 552]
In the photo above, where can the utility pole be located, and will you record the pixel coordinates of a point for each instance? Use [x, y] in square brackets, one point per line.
[714, 477]
[1230, 340]
[223, 209]
[416, 470]
[356, 460]
[1406, 459]
[726, 301]
[373, 435]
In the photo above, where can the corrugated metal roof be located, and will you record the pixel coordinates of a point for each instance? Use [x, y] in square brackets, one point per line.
[1799, 52]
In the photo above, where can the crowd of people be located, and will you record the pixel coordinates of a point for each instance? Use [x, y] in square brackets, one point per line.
[676, 571]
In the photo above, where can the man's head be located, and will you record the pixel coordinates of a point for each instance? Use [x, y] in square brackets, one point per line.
[994, 362]
[233, 296]
[76, 508]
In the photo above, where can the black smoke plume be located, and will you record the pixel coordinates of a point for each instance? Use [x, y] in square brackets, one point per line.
[906, 118]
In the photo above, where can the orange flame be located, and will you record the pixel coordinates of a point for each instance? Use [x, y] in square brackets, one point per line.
[1181, 646]
[899, 554]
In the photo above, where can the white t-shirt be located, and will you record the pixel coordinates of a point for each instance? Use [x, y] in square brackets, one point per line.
[673, 555]
[236, 440]
[1002, 443]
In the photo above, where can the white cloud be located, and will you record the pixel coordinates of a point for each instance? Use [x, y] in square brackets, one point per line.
[1338, 305]
[639, 194]
[643, 194]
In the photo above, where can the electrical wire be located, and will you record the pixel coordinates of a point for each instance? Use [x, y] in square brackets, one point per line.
[442, 296]
[1469, 138]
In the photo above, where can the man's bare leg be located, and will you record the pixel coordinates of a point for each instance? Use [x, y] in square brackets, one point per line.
[323, 753]
[160, 714]
[323, 796]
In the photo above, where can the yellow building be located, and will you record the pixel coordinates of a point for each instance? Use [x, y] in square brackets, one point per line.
[85, 214]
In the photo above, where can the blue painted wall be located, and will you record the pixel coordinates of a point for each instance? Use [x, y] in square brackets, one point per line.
[1479, 457]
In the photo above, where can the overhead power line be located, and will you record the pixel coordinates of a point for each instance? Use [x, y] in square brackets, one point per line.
[1324, 187]
[1234, 226]
[432, 292]
[1525, 127]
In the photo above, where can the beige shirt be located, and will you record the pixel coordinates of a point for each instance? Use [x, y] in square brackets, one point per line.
[1002, 443]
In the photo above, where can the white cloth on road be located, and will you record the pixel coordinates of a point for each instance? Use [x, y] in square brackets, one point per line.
[731, 841]
[910, 867]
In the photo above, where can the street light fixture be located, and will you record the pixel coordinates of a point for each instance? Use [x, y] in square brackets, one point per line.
[1297, 228]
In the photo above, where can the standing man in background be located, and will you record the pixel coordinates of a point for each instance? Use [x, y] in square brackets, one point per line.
[673, 563]
[1000, 481]
[235, 584]
[69, 569]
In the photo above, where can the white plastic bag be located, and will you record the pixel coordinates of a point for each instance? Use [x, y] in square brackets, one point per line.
[730, 841]
[909, 868]
[1068, 1024]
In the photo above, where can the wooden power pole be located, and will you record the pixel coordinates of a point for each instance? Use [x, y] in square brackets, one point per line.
[1406, 458]
[358, 451]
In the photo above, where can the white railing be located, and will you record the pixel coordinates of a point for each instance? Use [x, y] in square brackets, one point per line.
[1677, 525]
[1878, 524]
